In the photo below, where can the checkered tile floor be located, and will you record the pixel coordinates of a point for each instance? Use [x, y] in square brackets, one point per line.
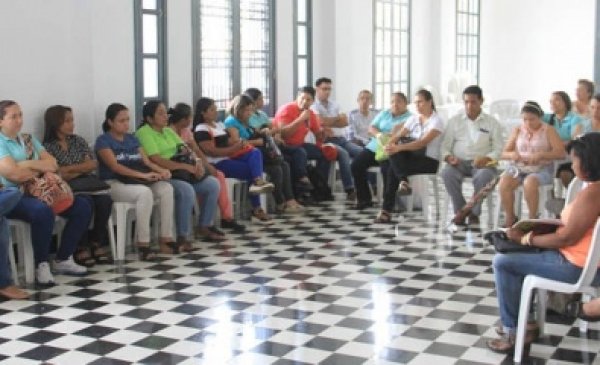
[328, 287]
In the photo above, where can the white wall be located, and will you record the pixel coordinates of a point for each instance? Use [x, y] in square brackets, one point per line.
[531, 48]
[284, 55]
[179, 52]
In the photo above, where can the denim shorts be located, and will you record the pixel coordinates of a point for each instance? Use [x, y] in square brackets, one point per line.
[545, 176]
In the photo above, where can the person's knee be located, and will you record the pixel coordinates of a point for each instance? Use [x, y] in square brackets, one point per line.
[507, 184]
[531, 183]
[41, 213]
[449, 174]
[213, 185]
[342, 155]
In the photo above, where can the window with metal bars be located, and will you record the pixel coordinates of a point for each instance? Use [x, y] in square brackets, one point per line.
[467, 36]
[150, 50]
[302, 44]
[391, 66]
[233, 48]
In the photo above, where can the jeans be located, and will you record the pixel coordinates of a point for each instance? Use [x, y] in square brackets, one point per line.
[350, 147]
[185, 194]
[453, 177]
[510, 271]
[102, 207]
[9, 198]
[401, 166]
[298, 157]
[247, 167]
[279, 175]
[41, 218]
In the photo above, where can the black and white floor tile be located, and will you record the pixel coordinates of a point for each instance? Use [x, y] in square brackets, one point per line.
[327, 287]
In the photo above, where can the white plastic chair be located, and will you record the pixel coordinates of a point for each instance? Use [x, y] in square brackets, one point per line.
[505, 109]
[419, 187]
[377, 171]
[237, 191]
[123, 214]
[22, 237]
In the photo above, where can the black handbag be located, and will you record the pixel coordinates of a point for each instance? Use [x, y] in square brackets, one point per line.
[419, 152]
[184, 155]
[88, 184]
[134, 180]
[502, 244]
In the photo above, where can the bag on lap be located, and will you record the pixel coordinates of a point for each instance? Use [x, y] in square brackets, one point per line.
[47, 187]
[502, 244]
[185, 155]
[88, 184]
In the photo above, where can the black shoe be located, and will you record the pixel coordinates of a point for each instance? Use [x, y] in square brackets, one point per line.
[575, 309]
[214, 229]
[233, 225]
[362, 205]
[304, 185]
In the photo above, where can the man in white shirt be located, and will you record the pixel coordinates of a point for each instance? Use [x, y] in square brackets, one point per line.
[359, 120]
[472, 144]
[335, 124]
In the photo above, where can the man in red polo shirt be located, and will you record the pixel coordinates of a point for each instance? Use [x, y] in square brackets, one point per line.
[295, 120]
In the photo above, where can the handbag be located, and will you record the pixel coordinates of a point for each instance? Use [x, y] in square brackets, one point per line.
[420, 152]
[270, 150]
[88, 184]
[184, 155]
[380, 154]
[47, 187]
[134, 180]
[502, 244]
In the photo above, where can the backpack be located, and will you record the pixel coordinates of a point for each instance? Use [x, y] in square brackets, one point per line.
[321, 191]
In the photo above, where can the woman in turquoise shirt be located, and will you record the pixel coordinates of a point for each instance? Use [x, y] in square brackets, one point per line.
[565, 122]
[239, 127]
[384, 122]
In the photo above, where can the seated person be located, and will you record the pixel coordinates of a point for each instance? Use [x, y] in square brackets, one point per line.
[20, 161]
[472, 140]
[384, 122]
[237, 159]
[238, 126]
[532, 147]
[328, 114]
[421, 155]
[133, 178]
[180, 121]
[593, 124]
[294, 120]
[359, 120]
[259, 119]
[565, 123]
[161, 143]
[584, 93]
[75, 158]
[566, 249]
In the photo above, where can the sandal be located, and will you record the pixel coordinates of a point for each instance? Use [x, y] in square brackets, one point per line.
[101, 256]
[185, 245]
[83, 257]
[404, 188]
[575, 309]
[506, 344]
[383, 217]
[170, 247]
[207, 235]
[146, 253]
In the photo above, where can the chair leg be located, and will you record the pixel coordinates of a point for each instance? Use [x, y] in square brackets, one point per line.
[122, 228]
[526, 294]
[11, 258]
[111, 236]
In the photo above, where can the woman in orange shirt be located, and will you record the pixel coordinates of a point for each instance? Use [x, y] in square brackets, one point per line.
[566, 250]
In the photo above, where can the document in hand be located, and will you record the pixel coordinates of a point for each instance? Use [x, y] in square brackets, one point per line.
[538, 226]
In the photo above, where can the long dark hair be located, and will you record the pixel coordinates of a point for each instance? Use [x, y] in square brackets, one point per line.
[566, 100]
[426, 94]
[54, 117]
[202, 106]
[111, 113]
[179, 112]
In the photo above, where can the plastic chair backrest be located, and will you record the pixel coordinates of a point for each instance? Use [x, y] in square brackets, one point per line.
[505, 109]
[591, 263]
[573, 189]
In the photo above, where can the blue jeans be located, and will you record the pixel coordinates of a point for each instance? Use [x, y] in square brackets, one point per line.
[350, 147]
[247, 167]
[298, 157]
[9, 198]
[185, 193]
[41, 218]
[510, 271]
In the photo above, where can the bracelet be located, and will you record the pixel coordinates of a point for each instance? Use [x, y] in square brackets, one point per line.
[526, 239]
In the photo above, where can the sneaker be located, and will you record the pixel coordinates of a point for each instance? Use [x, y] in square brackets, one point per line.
[43, 275]
[233, 225]
[260, 186]
[69, 267]
[260, 215]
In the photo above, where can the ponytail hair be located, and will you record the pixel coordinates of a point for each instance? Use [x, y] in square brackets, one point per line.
[179, 112]
[111, 113]
[426, 94]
